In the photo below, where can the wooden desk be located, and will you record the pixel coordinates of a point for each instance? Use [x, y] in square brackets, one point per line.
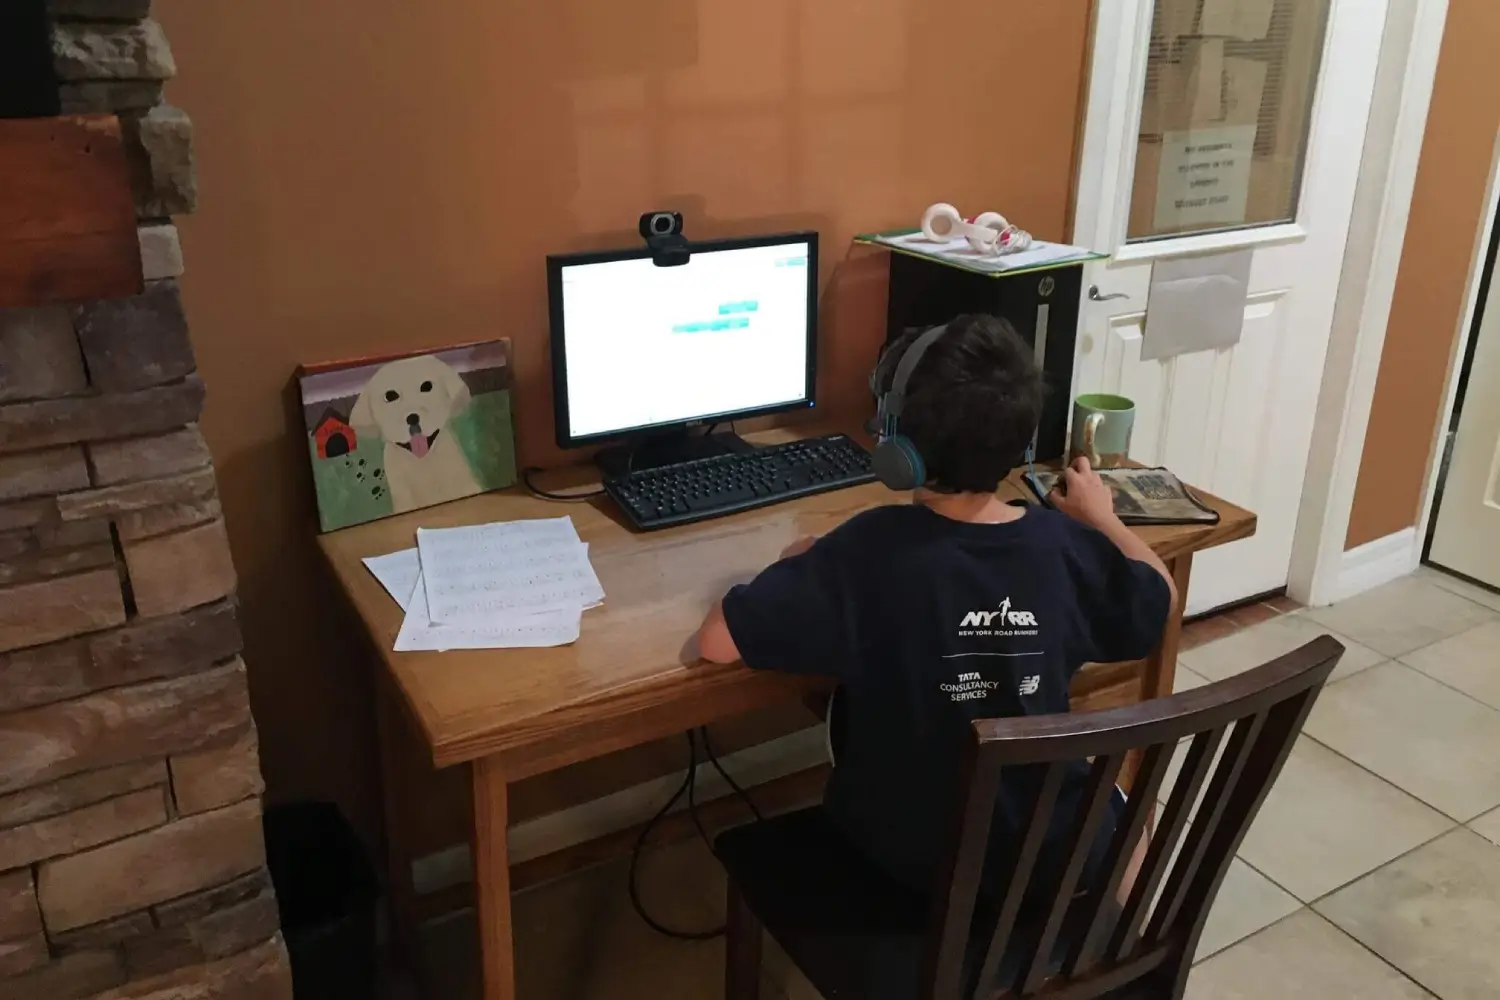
[516, 713]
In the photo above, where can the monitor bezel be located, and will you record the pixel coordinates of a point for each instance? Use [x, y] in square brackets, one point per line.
[557, 262]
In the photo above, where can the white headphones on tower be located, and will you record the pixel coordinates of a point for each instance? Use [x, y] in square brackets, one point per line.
[988, 232]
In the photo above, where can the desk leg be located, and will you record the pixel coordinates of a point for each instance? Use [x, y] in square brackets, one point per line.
[492, 881]
[1161, 666]
[392, 733]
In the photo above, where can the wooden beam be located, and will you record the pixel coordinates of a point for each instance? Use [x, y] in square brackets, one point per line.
[67, 219]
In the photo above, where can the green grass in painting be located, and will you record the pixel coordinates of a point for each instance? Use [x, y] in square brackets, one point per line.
[350, 493]
[485, 435]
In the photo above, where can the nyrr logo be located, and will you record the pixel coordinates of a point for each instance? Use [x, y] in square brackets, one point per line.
[1007, 617]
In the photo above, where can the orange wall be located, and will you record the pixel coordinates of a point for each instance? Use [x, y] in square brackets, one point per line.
[1431, 286]
[388, 175]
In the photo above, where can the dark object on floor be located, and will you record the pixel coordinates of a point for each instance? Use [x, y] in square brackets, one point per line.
[326, 890]
[854, 933]
[28, 85]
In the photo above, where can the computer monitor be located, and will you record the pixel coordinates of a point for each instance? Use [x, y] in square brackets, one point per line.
[638, 348]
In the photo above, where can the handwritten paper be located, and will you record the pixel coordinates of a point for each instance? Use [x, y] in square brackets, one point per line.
[419, 632]
[399, 573]
[504, 586]
[478, 574]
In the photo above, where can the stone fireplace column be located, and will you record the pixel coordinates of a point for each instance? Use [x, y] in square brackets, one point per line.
[131, 858]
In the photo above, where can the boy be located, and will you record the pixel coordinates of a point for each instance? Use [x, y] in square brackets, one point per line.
[957, 607]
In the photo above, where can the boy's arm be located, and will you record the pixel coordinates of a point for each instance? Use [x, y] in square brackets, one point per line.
[1134, 546]
[715, 644]
[1085, 498]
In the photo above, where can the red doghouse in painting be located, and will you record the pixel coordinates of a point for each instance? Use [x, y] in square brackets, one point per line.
[333, 436]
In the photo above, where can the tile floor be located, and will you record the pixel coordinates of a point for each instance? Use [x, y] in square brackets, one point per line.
[1372, 873]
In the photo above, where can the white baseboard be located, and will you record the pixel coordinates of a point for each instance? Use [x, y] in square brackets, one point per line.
[628, 807]
[1367, 566]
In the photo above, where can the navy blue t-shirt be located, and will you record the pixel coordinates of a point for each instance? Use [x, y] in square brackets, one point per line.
[930, 623]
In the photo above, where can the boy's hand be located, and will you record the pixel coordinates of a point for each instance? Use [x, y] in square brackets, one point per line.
[798, 547]
[1082, 495]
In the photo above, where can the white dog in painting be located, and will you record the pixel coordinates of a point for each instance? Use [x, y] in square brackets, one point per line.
[411, 403]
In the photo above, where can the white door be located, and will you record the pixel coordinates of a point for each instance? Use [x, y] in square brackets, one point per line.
[1467, 536]
[1217, 125]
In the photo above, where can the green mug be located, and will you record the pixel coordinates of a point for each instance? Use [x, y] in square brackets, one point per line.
[1101, 429]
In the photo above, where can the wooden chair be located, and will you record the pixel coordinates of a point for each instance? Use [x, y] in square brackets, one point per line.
[856, 934]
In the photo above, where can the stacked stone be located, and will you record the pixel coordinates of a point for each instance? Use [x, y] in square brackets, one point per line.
[132, 865]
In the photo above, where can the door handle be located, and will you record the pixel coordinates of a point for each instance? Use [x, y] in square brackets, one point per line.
[1094, 295]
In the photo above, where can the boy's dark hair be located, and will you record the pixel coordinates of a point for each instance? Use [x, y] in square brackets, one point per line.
[972, 403]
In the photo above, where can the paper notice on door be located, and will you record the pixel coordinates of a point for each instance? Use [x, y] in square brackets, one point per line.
[1247, 20]
[1204, 179]
[1196, 304]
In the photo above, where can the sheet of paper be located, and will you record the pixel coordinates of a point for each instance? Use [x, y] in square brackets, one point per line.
[1196, 304]
[1204, 177]
[398, 573]
[474, 575]
[958, 249]
[1247, 20]
[552, 628]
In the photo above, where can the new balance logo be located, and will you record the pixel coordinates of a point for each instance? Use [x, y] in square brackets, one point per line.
[1030, 685]
[1007, 617]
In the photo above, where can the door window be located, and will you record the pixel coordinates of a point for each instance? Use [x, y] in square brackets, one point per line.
[1227, 111]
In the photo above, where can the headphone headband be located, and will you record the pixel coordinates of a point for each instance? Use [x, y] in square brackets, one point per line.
[893, 399]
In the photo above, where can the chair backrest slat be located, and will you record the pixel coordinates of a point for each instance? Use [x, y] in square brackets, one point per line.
[1200, 758]
[1255, 717]
[1278, 736]
[1138, 810]
[1033, 836]
[1210, 812]
[1097, 792]
[953, 904]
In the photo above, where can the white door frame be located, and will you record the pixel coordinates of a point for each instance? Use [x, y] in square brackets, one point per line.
[1468, 330]
[1320, 572]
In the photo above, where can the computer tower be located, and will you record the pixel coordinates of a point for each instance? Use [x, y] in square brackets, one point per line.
[28, 82]
[1041, 305]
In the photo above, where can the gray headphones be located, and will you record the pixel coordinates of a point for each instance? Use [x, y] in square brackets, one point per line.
[896, 461]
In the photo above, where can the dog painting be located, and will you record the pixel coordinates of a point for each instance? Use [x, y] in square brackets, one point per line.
[390, 435]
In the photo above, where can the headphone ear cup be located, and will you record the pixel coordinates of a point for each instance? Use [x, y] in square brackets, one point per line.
[984, 232]
[897, 464]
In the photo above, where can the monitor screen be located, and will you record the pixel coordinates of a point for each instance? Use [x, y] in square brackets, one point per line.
[637, 346]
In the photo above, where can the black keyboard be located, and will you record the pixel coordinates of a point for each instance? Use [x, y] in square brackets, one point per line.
[723, 484]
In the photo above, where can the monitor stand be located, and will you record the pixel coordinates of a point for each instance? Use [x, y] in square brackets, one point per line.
[672, 448]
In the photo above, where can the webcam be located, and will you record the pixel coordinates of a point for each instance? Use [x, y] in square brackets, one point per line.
[662, 232]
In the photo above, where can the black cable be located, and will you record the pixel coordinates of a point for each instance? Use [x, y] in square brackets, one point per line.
[690, 786]
[688, 782]
[693, 796]
[564, 497]
[713, 759]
